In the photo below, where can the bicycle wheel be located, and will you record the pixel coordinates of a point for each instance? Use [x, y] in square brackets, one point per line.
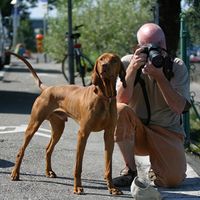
[65, 68]
[86, 67]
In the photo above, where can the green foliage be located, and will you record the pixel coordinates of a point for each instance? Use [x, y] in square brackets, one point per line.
[54, 42]
[108, 26]
[192, 19]
[194, 120]
[26, 34]
[195, 128]
[5, 7]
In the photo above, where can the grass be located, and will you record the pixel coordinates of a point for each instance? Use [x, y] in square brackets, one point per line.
[195, 113]
[194, 133]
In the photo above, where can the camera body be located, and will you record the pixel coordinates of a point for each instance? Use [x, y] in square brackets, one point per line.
[154, 53]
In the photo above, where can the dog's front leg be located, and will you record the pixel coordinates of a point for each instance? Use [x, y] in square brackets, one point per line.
[81, 143]
[109, 147]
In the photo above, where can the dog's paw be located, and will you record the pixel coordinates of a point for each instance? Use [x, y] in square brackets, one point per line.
[14, 176]
[115, 191]
[51, 174]
[79, 190]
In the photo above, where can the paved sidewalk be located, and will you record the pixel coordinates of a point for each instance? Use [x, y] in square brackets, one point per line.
[189, 190]
[96, 189]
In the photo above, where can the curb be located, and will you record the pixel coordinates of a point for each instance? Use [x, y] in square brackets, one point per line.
[2, 72]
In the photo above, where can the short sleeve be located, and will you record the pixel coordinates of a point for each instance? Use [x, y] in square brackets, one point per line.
[125, 60]
[180, 81]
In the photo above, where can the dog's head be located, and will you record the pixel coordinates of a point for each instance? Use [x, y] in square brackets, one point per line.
[106, 71]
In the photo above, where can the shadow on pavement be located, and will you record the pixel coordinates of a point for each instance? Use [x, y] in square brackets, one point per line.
[16, 102]
[24, 70]
[178, 195]
[190, 185]
[6, 163]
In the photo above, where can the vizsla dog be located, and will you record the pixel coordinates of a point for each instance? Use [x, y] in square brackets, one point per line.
[93, 107]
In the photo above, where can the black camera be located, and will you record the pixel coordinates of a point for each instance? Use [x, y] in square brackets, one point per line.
[154, 53]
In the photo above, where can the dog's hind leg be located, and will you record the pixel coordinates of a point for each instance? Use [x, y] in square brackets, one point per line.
[57, 128]
[38, 115]
[31, 129]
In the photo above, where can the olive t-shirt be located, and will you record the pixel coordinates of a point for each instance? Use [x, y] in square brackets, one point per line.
[161, 114]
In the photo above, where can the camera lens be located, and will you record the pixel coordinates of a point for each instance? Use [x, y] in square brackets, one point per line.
[156, 58]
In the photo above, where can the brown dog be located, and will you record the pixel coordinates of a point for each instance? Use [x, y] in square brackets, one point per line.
[86, 105]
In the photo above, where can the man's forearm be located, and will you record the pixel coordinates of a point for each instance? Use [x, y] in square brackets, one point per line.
[124, 94]
[175, 101]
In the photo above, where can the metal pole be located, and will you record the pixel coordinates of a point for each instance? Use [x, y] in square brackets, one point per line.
[45, 8]
[45, 33]
[184, 57]
[70, 44]
[15, 23]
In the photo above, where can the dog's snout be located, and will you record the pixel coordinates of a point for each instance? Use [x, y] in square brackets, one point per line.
[104, 66]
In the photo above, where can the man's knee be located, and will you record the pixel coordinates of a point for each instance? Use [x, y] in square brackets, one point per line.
[170, 179]
[125, 128]
[125, 112]
[122, 107]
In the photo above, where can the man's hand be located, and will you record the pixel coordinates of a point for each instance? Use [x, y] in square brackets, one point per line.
[153, 71]
[174, 100]
[139, 59]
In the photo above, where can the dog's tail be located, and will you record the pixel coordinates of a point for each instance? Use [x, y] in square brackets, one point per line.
[37, 79]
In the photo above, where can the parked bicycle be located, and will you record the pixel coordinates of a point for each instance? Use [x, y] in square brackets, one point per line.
[82, 64]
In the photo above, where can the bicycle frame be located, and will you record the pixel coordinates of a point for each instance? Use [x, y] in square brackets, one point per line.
[77, 56]
[82, 63]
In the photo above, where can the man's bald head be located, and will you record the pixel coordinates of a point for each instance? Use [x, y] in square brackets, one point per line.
[151, 33]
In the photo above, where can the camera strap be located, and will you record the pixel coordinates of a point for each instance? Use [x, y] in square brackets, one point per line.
[144, 91]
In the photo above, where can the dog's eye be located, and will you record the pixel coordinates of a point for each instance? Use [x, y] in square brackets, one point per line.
[113, 61]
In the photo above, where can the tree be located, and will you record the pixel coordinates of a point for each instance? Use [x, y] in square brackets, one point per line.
[108, 26]
[5, 7]
[55, 40]
[25, 32]
[192, 19]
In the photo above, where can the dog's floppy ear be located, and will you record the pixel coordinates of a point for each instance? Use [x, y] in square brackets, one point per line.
[122, 75]
[95, 74]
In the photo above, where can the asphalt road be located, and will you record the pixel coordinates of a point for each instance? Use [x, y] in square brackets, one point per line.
[17, 94]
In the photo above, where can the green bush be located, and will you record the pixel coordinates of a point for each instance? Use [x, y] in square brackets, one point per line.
[109, 26]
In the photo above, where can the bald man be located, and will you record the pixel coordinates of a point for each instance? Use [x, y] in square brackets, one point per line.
[163, 137]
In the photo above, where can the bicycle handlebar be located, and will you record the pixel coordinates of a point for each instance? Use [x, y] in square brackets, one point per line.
[75, 35]
[77, 27]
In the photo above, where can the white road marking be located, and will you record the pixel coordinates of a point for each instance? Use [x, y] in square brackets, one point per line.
[21, 129]
[45, 74]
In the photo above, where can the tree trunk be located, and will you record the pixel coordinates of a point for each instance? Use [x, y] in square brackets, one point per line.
[169, 11]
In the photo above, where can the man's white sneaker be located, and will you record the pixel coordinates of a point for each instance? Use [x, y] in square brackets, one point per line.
[140, 190]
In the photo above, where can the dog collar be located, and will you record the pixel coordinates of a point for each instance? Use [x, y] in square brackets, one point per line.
[109, 99]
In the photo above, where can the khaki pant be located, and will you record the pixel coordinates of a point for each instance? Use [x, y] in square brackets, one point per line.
[165, 148]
